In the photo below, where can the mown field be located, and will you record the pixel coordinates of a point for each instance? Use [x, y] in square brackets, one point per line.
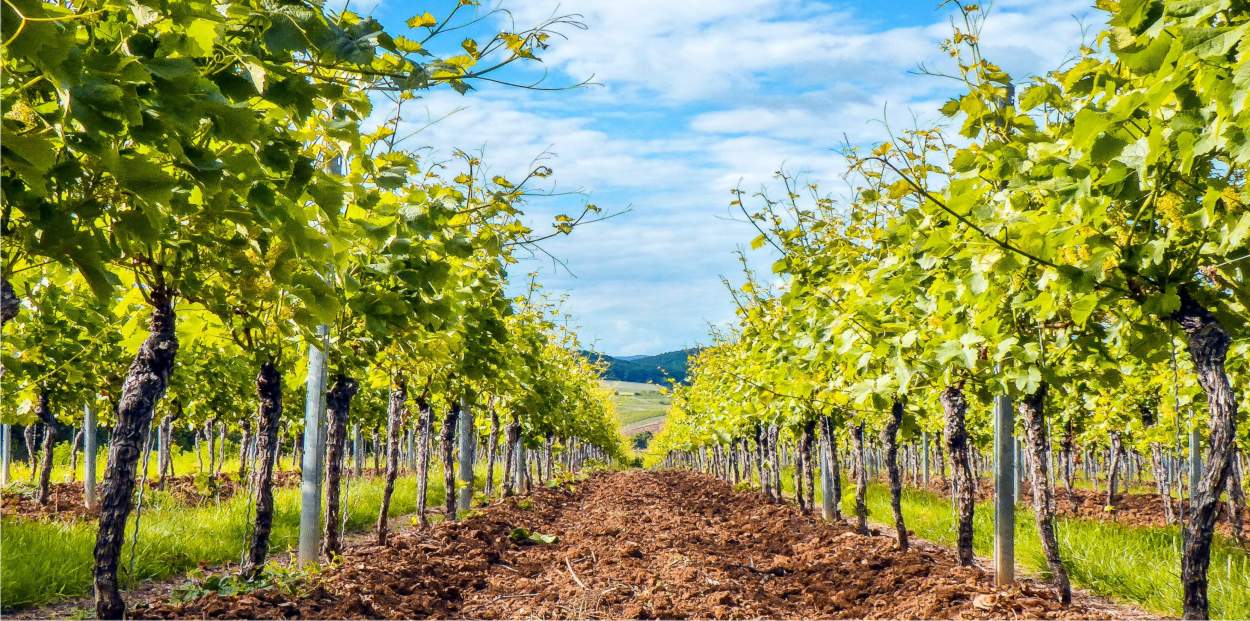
[639, 407]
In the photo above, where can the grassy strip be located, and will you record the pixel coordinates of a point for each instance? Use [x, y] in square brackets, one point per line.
[43, 561]
[184, 462]
[1134, 564]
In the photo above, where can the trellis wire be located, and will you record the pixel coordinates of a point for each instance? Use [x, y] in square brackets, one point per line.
[250, 456]
[143, 483]
[346, 485]
[1176, 406]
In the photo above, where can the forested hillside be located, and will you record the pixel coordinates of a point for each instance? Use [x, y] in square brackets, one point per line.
[655, 369]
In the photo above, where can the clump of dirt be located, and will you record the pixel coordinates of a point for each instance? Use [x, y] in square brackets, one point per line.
[643, 545]
[1129, 509]
[191, 489]
[65, 502]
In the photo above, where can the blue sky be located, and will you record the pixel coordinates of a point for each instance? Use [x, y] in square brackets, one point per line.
[695, 97]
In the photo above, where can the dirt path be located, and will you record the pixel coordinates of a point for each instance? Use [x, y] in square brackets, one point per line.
[652, 424]
[641, 544]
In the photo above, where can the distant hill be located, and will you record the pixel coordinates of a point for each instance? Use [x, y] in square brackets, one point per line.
[647, 369]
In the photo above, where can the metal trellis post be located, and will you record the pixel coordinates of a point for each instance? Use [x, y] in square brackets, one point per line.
[1004, 492]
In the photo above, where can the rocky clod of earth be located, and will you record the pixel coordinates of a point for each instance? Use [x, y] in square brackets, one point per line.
[642, 545]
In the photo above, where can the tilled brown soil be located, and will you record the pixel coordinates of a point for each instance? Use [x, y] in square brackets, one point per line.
[164, 589]
[65, 500]
[1130, 509]
[640, 544]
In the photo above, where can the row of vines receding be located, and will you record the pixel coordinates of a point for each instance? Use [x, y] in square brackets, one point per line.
[200, 196]
[1078, 243]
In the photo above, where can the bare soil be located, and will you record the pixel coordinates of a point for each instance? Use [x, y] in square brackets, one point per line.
[65, 502]
[164, 589]
[641, 544]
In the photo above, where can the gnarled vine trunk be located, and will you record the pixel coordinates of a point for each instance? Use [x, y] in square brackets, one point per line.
[51, 427]
[955, 407]
[338, 405]
[511, 434]
[861, 480]
[735, 461]
[145, 384]
[800, 483]
[425, 423]
[1207, 342]
[527, 473]
[889, 437]
[9, 302]
[1032, 411]
[394, 423]
[221, 447]
[831, 456]
[1162, 481]
[165, 461]
[211, 436]
[448, 441]
[1113, 467]
[766, 482]
[492, 449]
[774, 445]
[548, 461]
[269, 395]
[809, 436]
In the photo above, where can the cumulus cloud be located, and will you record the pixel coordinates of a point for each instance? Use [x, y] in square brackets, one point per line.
[698, 97]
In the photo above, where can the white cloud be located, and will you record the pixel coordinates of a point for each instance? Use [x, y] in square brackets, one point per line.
[698, 97]
[697, 50]
[511, 137]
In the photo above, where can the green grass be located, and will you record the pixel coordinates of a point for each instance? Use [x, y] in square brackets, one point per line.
[1140, 565]
[638, 403]
[1133, 564]
[41, 562]
[185, 462]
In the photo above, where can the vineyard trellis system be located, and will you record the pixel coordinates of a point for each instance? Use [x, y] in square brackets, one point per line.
[193, 190]
[1019, 289]
[201, 224]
